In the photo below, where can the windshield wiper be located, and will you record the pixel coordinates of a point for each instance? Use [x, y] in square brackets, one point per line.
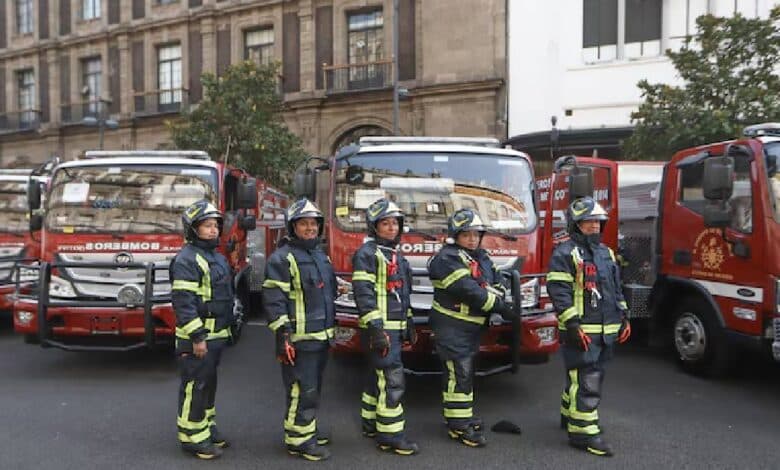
[503, 235]
[93, 229]
[425, 235]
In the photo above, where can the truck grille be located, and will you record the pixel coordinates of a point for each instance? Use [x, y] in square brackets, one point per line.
[776, 343]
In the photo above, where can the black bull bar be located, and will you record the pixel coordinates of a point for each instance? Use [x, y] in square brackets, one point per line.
[41, 293]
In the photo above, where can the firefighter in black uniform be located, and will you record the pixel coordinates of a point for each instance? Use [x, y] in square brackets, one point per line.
[298, 295]
[202, 297]
[584, 285]
[467, 290]
[382, 281]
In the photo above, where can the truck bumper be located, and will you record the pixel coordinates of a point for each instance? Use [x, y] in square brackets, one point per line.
[94, 328]
[539, 340]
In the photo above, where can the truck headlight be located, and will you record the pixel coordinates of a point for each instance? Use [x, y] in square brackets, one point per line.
[59, 287]
[24, 318]
[130, 295]
[530, 292]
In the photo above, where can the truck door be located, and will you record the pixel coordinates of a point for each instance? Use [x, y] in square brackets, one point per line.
[604, 192]
[726, 262]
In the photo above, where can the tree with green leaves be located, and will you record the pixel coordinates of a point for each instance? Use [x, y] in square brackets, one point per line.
[240, 118]
[729, 81]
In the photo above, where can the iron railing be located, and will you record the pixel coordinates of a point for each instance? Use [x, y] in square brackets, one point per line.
[358, 77]
[154, 102]
[18, 121]
[74, 113]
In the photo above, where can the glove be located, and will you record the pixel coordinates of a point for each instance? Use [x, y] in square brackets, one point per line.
[410, 334]
[625, 331]
[378, 340]
[576, 337]
[506, 310]
[285, 351]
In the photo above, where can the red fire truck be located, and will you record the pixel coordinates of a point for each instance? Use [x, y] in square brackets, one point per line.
[430, 178]
[696, 236]
[111, 225]
[19, 246]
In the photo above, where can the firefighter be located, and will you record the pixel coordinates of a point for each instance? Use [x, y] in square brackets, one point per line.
[382, 280]
[467, 290]
[202, 296]
[298, 295]
[584, 285]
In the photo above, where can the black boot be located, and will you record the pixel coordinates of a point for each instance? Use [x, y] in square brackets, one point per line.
[468, 436]
[323, 438]
[477, 423]
[596, 445]
[205, 450]
[218, 439]
[564, 422]
[369, 429]
[398, 444]
[310, 451]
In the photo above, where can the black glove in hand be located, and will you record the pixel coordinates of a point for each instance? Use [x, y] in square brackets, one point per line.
[378, 340]
[285, 351]
[410, 333]
[506, 310]
[576, 337]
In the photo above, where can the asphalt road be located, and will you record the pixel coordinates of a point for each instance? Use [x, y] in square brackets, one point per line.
[75, 411]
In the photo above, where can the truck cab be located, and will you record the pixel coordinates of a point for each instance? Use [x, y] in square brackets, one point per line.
[697, 244]
[430, 178]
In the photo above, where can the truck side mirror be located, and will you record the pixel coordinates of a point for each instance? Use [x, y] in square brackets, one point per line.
[580, 183]
[36, 222]
[248, 223]
[355, 174]
[305, 184]
[34, 195]
[718, 178]
[247, 194]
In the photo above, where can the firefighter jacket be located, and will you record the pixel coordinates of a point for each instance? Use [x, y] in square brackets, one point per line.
[382, 283]
[460, 281]
[202, 295]
[584, 285]
[299, 292]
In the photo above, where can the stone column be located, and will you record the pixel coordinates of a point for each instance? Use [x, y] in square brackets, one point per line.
[126, 76]
[208, 32]
[52, 59]
[307, 41]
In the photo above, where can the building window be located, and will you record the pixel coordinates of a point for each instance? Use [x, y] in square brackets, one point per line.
[259, 46]
[90, 9]
[169, 74]
[166, 2]
[682, 24]
[90, 79]
[24, 16]
[366, 42]
[643, 28]
[25, 80]
[599, 30]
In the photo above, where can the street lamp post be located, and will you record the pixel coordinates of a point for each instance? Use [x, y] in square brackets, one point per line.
[395, 67]
[99, 119]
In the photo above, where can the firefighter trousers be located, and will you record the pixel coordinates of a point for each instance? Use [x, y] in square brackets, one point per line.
[582, 393]
[302, 385]
[458, 391]
[384, 387]
[197, 392]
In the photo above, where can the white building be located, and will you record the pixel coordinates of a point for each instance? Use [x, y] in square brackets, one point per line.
[580, 60]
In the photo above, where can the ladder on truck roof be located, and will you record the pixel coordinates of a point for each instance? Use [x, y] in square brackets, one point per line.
[194, 154]
[480, 141]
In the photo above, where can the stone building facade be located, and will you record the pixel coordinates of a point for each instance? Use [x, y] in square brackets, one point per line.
[69, 68]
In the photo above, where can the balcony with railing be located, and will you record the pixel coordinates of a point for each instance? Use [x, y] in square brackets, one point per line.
[80, 112]
[20, 121]
[358, 77]
[156, 102]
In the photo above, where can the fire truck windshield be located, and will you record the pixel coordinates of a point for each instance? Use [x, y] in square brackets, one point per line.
[429, 186]
[13, 207]
[126, 198]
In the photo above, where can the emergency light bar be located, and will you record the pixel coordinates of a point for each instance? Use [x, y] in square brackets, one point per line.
[480, 141]
[194, 154]
[767, 128]
[16, 171]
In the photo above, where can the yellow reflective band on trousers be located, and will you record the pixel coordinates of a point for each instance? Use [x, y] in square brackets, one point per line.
[297, 434]
[368, 399]
[450, 396]
[211, 414]
[575, 414]
[388, 420]
[462, 315]
[184, 424]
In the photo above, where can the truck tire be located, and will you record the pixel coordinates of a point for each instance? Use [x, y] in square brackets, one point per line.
[699, 339]
[31, 338]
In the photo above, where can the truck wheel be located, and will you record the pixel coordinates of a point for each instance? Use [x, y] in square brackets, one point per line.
[31, 338]
[699, 340]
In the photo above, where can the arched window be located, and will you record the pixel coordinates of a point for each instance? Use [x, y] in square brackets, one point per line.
[354, 134]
